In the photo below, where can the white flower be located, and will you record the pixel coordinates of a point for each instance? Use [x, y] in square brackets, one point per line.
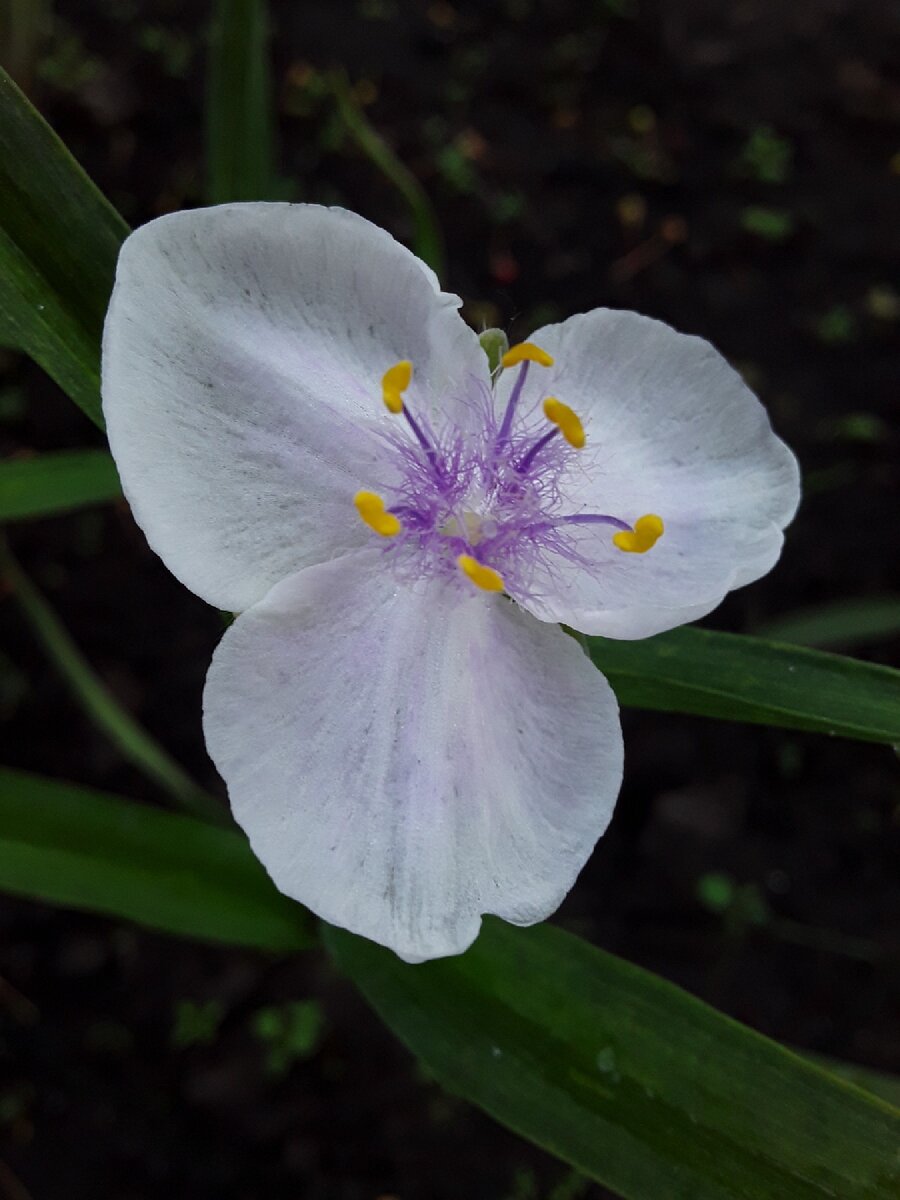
[309, 435]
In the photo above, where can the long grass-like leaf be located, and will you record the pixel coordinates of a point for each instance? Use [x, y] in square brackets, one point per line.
[135, 744]
[240, 117]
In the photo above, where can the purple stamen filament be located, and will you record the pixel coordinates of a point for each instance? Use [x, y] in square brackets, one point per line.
[506, 425]
[494, 498]
[594, 519]
[423, 441]
[529, 458]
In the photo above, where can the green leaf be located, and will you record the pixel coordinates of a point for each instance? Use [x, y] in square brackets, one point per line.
[739, 678]
[239, 114]
[59, 240]
[427, 239]
[135, 744]
[625, 1076]
[843, 623]
[73, 846]
[56, 483]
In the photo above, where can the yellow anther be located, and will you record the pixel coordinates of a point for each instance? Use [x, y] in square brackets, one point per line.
[647, 532]
[565, 420]
[370, 507]
[394, 383]
[483, 577]
[526, 352]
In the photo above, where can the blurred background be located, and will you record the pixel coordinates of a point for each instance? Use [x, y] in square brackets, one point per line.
[731, 169]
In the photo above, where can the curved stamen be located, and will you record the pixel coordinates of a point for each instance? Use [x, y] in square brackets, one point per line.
[394, 383]
[566, 420]
[484, 577]
[594, 519]
[373, 513]
[523, 465]
[524, 353]
[506, 424]
[646, 533]
[423, 441]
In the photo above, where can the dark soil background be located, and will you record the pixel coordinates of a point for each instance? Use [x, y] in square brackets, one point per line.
[731, 168]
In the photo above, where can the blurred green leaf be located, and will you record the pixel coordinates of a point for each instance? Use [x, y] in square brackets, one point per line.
[56, 483]
[23, 27]
[428, 241]
[59, 239]
[77, 847]
[837, 326]
[625, 1076]
[864, 427]
[240, 119]
[196, 1024]
[771, 224]
[135, 744]
[886, 1087]
[766, 156]
[845, 623]
[738, 678]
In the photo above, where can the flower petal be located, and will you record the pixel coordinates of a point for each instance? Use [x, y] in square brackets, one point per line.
[671, 429]
[243, 355]
[406, 758]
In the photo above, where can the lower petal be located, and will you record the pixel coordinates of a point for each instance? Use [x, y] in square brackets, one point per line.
[407, 757]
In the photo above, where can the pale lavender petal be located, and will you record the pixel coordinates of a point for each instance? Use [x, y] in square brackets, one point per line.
[672, 430]
[243, 355]
[406, 758]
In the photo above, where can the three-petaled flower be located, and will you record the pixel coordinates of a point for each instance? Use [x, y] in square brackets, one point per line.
[310, 436]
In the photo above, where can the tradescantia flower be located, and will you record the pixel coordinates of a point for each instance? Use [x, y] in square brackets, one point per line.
[310, 436]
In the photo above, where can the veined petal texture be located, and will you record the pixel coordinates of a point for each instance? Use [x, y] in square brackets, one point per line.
[673, 430]
[406, 758]
[242, 359]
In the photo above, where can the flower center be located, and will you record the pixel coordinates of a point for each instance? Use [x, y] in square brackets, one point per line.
[470, 526]
[486, 505]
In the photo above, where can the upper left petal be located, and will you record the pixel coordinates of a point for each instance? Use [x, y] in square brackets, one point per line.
[407, 756]
[243, 354]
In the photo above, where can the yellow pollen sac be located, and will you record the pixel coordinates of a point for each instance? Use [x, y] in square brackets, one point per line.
[526, 352]
[370, 507]
[483, 577]
[394, 383]
[647, 532]
[565, 420]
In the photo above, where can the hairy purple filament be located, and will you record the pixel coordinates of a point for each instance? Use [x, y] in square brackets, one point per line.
[493, 494]
[422, 440]
[503, 432]
[535, 450]
[597, 519]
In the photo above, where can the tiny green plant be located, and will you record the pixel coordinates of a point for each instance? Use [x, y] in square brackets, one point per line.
[289, 1033]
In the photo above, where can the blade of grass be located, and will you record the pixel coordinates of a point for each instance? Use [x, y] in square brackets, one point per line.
[240, 119]
[427, 240]
[59, 240]
[844, 624]
[67, 844]
[56, 483]
[738, 678]
[136, 745]
[626, 1077]
[23, 26]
